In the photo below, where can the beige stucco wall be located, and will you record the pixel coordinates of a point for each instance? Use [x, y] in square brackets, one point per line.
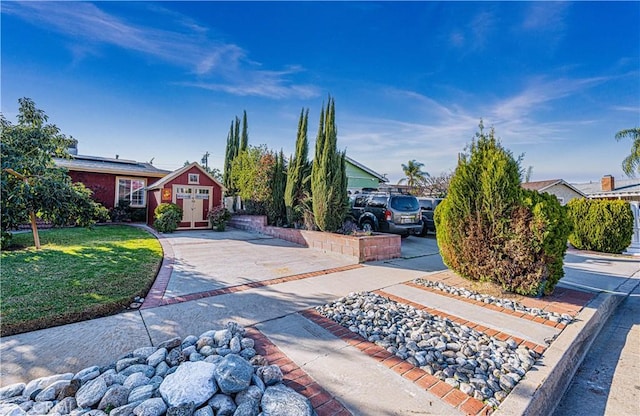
[563, 193]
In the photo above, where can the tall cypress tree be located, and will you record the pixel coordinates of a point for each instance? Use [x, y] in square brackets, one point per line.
[278, 184]
[328, 190]
[235, 145]
[298, 172]
[244, 137]
[229, 155]
[236, 137]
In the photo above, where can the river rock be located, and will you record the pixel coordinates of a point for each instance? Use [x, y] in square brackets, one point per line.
[12, 390]
[115, 396]
[151, 407]
[222, 404]
[191, 382]
[280, 400]
[233, 374]
[270, 374]
[91, 393]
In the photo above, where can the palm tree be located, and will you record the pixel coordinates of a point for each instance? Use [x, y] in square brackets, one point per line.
[631, 164]
[414, 176]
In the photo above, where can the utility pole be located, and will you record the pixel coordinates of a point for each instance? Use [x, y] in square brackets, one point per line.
[205, 160]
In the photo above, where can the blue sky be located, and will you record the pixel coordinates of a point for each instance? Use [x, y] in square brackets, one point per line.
[411, 80]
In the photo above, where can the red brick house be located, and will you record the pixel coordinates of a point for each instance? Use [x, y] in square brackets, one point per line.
[193, 189]
[112, 180]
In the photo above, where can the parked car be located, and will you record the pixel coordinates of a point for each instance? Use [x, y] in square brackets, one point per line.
[427, 207]
[387, 213]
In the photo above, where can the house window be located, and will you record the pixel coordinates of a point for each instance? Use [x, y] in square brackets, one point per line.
[132, 190]
[194, 178]
[202, 194]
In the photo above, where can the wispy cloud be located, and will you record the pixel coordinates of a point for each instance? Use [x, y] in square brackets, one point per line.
[539, 93]
[546, 16]
[547, 20]
[186, 44]
[475, 36]
[447, 129]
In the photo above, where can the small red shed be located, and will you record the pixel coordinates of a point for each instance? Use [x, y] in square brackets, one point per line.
[193, 189]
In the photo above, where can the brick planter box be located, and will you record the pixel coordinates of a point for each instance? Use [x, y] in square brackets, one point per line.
[362, 248]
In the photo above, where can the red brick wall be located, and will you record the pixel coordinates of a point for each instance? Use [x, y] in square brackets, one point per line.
[363, 248]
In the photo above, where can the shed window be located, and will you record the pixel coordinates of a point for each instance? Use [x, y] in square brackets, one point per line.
[194, 178]
[132, 190]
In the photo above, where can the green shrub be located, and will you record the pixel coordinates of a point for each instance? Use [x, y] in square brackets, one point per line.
[537, 244]
[5, 239]
[218, 218]
[490, 229]
[167, 217]
[100, 213]
[600, 225]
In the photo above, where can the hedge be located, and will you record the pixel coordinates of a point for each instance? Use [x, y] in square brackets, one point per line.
[600, 225]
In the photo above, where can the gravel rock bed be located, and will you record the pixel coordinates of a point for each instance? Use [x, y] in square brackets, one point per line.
[504, 303]
[217, 373]
[479, 365]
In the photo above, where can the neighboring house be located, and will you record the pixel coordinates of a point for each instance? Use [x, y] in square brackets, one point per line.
[193, 189]
[113, 179]
[562, 190]
[611, 188]
[360, 177]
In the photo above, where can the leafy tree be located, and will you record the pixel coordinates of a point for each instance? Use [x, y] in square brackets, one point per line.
[251, 173]
[437, 186]
[31, 182]
[490, 229]
[328, 174]
[631, 164]
[527, 176]
[414, 176]
[298, 173]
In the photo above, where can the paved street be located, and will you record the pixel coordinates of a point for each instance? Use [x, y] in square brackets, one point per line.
[608, 381]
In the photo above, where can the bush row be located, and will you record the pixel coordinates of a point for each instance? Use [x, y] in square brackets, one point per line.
[491, 229]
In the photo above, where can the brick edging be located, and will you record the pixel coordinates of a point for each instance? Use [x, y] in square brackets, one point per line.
[418, 376]
[502, 336]
[155, 301]
[296, 378]
[516, 314]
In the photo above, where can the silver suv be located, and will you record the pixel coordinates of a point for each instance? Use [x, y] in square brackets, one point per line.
[387, 213]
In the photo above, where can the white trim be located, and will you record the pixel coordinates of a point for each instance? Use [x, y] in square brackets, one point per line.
[194, 196]
[160, 183]
[143, 190]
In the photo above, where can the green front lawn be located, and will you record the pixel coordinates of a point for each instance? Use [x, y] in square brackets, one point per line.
[78, 274]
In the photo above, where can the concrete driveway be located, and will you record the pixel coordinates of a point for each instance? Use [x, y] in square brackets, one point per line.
[207, 260]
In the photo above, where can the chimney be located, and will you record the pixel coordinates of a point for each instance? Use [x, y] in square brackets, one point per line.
[608, 183]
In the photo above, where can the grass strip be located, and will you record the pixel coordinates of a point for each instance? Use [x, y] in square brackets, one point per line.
[79, 274]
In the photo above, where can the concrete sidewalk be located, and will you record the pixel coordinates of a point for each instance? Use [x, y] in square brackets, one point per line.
[272, 285]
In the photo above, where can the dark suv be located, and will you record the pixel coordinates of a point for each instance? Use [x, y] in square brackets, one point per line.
[387, 213]
[427, 206]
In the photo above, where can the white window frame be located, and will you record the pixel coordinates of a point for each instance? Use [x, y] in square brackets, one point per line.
[194, 178]
[130, 179]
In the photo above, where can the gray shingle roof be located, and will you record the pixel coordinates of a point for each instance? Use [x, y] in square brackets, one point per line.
[623, 187]
[110, 165]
